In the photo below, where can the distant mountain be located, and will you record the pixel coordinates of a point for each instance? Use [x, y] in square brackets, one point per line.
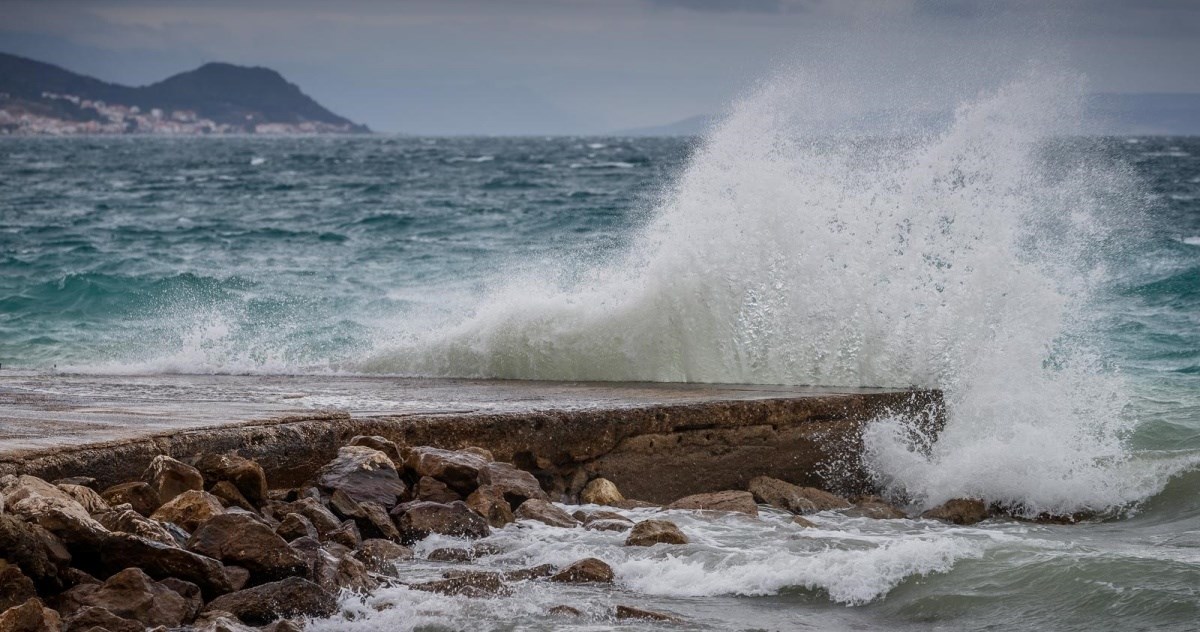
[36, 97]
[1149, 114]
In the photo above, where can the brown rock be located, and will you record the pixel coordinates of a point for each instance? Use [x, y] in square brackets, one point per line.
[490, 503]
[283, 625]
[517, 486]
[565, 611]
[420, 519]
[39, 555]
[876, 508]
[231, 496]
[16, 488]
[15, 587]
[380, 556]
[629, 612]
[318, 514]
[742, 502]
[296, 526]
[822, 500]
[363, 474]
[590, 516]
[335, 572]
[600, 491]
[382, 444]
[290, 597]
[435, 491]
[86, 497]
[962, 511]
[30, 616]
[459, 470]
[170, 478]
[534, 572]
[130, 521]
[804, 522]
[83, 481]
[451, 554]
[781, 495]
[634, 504]
[220, 621]
[609, 525]
[240, 540]
[470, 584]
[238, 577]
[140, 495]
[89, 617]
[158, 560]
[190, 593]
[347, 535]
[482, 453]
[651, 532]
[545, 512]
[131, 594]
[245, 474]
[190, 509]
[586, 571]
[62, 516]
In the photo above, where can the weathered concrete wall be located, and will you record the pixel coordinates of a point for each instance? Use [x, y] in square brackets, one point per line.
[656, 453]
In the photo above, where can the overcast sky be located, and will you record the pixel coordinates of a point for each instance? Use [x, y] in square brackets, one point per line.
[592, 66]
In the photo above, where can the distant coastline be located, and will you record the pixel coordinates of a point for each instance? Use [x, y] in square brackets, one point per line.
[39, 99]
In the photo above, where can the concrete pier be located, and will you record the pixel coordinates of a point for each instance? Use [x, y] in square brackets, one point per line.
[656, 441]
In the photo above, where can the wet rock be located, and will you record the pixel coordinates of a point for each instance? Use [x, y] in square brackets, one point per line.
[421, 519]
[240, 540]
[220, 621]
[600, 491]
[490, 503]
[875, 508]
[451, 554]
[435, 491]
[335, 572]
[347, 535]
[962, 511]
[517, 486]
[158, 560]
[586, 571]
[380, 556]
[736, 501]
[629, 503]
[296, 526]
[545, 512]
[140, 495]
[283, 625]
[587, 517]
[246, 475]
[15, 587]
[317, 514]
[458, 470]
[628, 612]
[363, 474]
[565, 611]
[131, 594]
[291, 597]
[90, 617]
[130, 521]
[372, 519]
[382, 444]
[37, 553]
[87, 497]
[533, 572]
[231, 496]
[82, 481]
[16, 488]
[821, 500]
[238, 577]
[170, 478]
[651, 532]
[470, 584]
[30, 616]
[781, 495]
[609, 525]
[190, 593]
[62, 516]
[804, 522]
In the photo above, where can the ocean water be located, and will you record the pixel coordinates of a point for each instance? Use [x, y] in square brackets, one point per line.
[1049, 283]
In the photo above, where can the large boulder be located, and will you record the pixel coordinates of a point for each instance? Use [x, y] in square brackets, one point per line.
[459, 470]
[545, 512]
[291, 597]
[488, 502]
[382, 444]
[231, 496]
[736, 501]
[243, 541]
[467, 584]
[781, 495]
[296, 526]
[962, 511]
[435, 491]
[190, 509]
[15, 488]
[37, 552]
[318, 514]
[380, 556]
[345, 572]
[246, 475]
[30, 616]
[586, 571]
[651, 532]
[600, 491]
[170, 478]
[90, 618]
[624, 613]
[15, 587]
[372, 519]
[421, 519]
[876, 508]
[62, 516]
[130, 521]
[363, 474]
[131, 594]
[139, 494]
[87, 497]
[158, 560]
[517, 486]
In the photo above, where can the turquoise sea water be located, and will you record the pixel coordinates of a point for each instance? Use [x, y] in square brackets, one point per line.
[1050, 285]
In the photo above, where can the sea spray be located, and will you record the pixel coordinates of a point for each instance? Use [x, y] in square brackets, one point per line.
[958, 258]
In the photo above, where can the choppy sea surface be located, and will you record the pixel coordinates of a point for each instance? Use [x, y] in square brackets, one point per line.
[1048, 283]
